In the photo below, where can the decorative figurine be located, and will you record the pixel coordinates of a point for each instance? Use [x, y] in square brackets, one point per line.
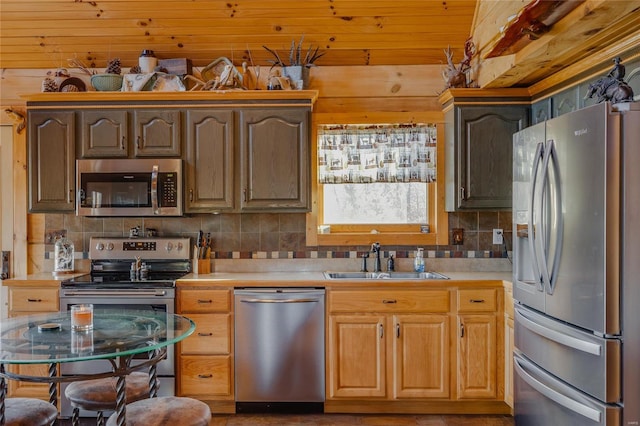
[457, 76]
[612, 87]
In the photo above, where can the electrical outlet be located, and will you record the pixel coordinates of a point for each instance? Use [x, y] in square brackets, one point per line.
[497, 236]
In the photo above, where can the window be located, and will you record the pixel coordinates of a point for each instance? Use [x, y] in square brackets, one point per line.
[377, 179]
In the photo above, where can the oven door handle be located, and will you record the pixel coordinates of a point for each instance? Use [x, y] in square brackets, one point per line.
[115, 293]
[154, 189]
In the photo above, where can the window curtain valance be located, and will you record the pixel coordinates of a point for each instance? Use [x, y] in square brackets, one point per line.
[380, 153]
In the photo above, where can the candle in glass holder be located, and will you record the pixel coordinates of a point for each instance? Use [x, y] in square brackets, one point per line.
[82, 317]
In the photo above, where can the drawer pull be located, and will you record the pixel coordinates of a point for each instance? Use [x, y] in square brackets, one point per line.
[389, 301]
[205, 334]
[205, 376]
[205, 301]
[34, 300]
[476, 300]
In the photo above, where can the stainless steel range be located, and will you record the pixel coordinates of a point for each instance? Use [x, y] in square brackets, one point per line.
[131, 273]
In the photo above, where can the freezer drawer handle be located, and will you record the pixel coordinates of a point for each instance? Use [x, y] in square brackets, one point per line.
[279, 300]
[555, 396]
[558, 337]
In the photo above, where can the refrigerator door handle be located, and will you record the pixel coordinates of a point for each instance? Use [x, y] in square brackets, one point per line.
[555, 396]
[556, 336]
[558, 222]
[532, 209]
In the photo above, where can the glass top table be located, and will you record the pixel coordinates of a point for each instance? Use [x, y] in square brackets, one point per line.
[117, 335]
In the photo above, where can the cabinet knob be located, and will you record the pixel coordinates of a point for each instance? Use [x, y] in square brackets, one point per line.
[191, 195]
[461, 330]
[462, 193]
[122, 143]
[381, 331]
[138, 142]
[398, 331]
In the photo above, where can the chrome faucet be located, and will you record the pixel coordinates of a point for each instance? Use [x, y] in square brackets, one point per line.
[375, 248]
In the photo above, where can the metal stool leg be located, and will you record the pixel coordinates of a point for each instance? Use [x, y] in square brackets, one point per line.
[100, 421]
[75, 417]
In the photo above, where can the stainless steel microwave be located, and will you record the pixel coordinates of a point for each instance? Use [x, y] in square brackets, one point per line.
[131, 187]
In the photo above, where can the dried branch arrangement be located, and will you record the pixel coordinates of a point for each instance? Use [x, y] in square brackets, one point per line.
[295, 55]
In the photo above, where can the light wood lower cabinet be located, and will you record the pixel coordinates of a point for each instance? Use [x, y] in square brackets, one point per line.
[205, 359]
[391, 351]
[478, 344]
[416, 350]
[27, 300]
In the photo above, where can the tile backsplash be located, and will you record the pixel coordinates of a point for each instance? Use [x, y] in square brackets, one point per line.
[272, 235]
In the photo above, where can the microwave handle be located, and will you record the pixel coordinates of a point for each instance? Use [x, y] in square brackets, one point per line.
[154, 189]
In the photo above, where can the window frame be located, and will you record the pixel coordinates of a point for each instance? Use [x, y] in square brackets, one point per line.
[350, 235]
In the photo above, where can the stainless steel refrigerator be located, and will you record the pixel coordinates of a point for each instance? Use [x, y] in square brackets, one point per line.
[576, 275]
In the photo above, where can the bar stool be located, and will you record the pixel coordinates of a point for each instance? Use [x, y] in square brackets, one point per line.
[100, 394]
[164, 411]
[29, 412]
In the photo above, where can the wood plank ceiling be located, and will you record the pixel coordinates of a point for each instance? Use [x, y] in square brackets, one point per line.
[45, 33]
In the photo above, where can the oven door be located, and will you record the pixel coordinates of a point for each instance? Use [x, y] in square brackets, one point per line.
[139, 299]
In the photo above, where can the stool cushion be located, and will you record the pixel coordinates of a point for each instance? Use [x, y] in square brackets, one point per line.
[29, 412]
[168, 410]
[100, 394]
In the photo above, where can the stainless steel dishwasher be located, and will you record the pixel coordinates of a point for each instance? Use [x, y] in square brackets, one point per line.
[279, 349]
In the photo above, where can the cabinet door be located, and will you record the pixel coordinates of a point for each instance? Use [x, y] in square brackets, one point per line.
[421, 351]
[357, 356]
[210, 160]
[51, 161]
[157, 133]
[103, 134]
[477, 356]
[275, 159]
[484, 155]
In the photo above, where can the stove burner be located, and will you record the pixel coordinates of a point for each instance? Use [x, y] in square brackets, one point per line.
[164, 260]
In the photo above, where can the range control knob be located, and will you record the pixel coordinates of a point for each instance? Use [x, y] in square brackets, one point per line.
[99, 246]
[179, 247]
[110, 246]
[169, 246]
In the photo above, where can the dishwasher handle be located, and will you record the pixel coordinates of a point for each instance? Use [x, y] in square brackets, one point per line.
[279, 300]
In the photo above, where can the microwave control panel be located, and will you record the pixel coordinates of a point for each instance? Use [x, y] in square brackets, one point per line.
[168, 189]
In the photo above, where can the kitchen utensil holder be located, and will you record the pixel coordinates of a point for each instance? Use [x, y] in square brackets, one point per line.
[201, 266]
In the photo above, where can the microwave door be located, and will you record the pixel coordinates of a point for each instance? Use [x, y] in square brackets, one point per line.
[117, 193]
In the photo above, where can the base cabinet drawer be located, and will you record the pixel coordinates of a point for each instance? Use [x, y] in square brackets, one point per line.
[212, 335]
[206, 376]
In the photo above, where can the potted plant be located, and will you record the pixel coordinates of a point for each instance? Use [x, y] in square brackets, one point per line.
[297, 69]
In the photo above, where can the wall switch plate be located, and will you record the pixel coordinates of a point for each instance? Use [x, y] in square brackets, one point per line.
[457, 235]
[497, 236]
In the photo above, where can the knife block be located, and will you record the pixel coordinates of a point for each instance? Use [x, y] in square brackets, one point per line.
[201, 266]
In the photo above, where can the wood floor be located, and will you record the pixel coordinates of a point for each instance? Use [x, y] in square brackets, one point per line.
[343, 420]
[363, 420]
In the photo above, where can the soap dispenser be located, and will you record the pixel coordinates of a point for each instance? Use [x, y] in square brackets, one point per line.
[418, 262]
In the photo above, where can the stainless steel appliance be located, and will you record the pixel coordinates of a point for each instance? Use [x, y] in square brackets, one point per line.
[279, 349]
[130, 187]
[576, 221]
[131, 273]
